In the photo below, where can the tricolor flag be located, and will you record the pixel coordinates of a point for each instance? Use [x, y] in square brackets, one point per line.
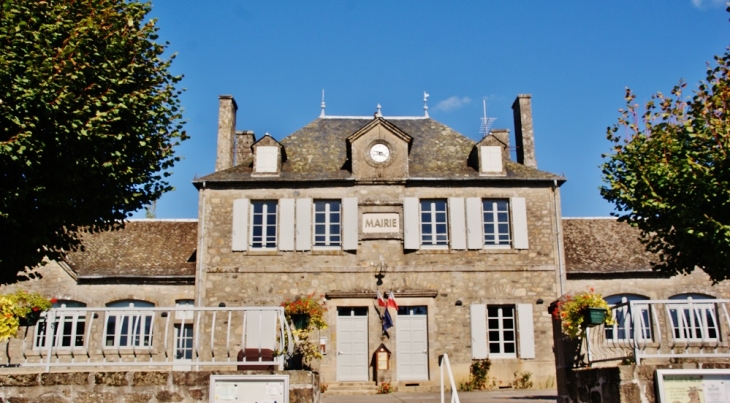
[381, 301]
[387, 321]
[391, 300]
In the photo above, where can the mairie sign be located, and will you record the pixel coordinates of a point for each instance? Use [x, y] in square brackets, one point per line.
[373, 223]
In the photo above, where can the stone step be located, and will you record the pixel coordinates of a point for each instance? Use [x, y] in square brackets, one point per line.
[352, 388]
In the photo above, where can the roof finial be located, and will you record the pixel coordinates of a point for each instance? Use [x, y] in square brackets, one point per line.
[378, 114]
[425, 106]
[321, 114]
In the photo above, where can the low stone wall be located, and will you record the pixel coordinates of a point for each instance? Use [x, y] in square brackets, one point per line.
[136, 387]
[620, 384]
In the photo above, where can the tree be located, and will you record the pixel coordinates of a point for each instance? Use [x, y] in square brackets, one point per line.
[669, 174]
[89, 116]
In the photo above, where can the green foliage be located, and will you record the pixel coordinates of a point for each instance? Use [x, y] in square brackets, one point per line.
[522, 380]
[669, 174]
[570, 310]
[89, 116]
[385, 388]
[478, 375]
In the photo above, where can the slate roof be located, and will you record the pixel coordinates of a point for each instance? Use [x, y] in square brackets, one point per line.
[318, 151]
[144, 248]
[602, 246]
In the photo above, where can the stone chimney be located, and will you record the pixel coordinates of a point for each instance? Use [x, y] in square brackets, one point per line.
[524, 134]
[244, 141]
[226, 131]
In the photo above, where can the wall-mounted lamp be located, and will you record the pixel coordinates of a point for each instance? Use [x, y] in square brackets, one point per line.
[379, 270]
[540, 301]
[459, 303]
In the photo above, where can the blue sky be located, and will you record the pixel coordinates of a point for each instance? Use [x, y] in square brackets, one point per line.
[575, 57]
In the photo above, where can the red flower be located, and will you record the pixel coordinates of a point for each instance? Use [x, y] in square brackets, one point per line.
[53, 300]
[36, 309]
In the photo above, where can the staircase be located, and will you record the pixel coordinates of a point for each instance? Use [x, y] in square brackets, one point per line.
[352, 388]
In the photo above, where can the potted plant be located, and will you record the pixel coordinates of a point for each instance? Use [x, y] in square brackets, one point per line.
[306, 314]
[582, 310]
[20, 309]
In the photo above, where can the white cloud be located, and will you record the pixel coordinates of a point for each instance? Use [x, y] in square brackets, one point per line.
[451, 103]
[703, 4]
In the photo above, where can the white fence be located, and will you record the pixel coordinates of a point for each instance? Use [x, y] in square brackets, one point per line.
[184, 338]
[644, 329]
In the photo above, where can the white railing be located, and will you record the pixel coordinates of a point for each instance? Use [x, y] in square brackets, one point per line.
[184, 338]
[688, 328]
[444, 362]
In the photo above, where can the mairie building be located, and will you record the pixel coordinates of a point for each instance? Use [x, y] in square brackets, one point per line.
[466, 240]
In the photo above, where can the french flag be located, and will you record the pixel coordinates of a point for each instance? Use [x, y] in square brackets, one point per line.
[381, 301]
[391, 300]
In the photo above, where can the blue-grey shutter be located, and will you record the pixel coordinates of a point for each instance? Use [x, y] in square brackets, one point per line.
[457, 222]
[304, 224]
[526, 327]
[411, 223]
[239, 224]
[286, 224]
[474, 225]
[519, 222]
[479, 350]
[349, 223]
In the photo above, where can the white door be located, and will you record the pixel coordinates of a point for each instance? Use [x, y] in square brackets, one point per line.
[412, 343]
[352, 344]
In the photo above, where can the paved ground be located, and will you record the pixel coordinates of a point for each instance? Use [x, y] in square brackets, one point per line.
[495, 396]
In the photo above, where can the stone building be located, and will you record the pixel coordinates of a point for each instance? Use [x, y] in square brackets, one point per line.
[467, 240]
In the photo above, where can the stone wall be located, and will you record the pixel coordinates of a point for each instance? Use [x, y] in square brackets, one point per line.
[134, 387]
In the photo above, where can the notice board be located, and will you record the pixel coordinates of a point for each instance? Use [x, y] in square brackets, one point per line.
[693, 385]
[249, 389]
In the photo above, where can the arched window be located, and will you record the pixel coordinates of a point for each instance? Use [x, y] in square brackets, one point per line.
[693, 317]
[130, 327]
[623, 328]
[68, 326]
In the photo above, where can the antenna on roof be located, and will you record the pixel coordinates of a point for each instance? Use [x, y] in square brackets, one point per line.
[425, 106]
[321, 114]
[486, 125]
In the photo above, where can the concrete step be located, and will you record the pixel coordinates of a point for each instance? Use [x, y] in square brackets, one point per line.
[352, 388]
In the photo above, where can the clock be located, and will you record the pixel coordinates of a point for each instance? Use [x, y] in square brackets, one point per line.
[379, 152]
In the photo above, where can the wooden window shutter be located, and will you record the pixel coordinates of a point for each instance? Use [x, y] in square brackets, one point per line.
[479, 350]
[349, 223]
[304, 224]
[457, 222]
[239, 224]
[519, 222]
[474, 225]
[526, 328]
[286, 224]
[411, 223]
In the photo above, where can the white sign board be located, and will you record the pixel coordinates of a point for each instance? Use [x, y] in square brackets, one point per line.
[693, 385]
[380, 223]
[249, 388]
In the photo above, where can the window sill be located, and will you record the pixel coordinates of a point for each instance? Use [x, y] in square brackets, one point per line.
[433, 251]
[328, 252]
[502, 356]
[498, 250]
[262, 252]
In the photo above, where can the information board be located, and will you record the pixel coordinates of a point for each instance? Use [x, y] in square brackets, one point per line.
[249, 388]
[693, 385]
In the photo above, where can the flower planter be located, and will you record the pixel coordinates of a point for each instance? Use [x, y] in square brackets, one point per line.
[300, 321]
[30, 319]
[594, 316]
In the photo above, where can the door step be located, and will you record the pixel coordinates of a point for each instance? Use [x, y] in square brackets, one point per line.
[351, 388]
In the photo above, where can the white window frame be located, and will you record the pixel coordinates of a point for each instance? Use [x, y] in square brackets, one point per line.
[623, 327]
[330, 217]
[269, 231]
[491, 216]
[75, 332]
[139, 325]
[432, 212]
[183, 341]
[694, 322]
[496, 324]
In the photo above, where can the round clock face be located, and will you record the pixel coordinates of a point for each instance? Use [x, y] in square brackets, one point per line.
[379, 152]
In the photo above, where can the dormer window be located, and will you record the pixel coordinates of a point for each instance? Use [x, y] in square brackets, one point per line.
[491, 161]
[266, 159]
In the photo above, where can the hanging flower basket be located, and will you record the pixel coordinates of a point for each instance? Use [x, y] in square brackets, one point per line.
[594, 316]
[30, 319]
[300, 320]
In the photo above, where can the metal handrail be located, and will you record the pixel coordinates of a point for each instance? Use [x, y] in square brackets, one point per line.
[444, 362]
